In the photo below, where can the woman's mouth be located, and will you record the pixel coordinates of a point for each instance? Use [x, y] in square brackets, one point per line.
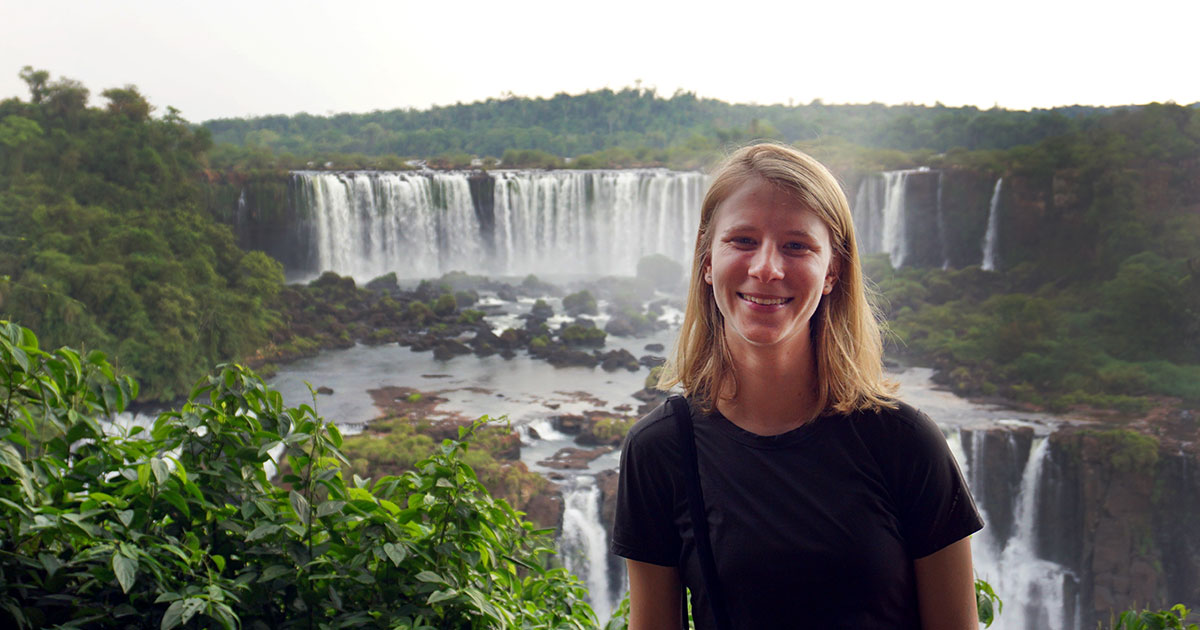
[764, 301]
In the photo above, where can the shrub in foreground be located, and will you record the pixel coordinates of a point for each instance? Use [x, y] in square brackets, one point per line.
[179, 524]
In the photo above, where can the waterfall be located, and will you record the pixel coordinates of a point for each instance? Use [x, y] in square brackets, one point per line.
[1032, 588]
[942, 235]
[881, 217]
[584, 543]
[989, 239]
[422, 224]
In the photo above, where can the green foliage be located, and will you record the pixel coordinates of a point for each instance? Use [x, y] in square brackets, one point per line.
[1113, 344]
[180, 526]
[988, 605]
[471, 316]
[612, 430]
[1128, 451]
[104, 241]
[635, 126]
[541, 309]
[419, 313]
[577, 335]
[445, 305]
[580, 303]
[1176, 618]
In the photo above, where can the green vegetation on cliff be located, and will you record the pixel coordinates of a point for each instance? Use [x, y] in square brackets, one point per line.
[632, 126]
[105, 241]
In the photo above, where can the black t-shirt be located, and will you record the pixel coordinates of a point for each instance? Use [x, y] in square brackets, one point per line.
[813, 528]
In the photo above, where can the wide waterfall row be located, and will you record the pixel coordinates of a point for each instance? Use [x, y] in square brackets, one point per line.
[422, 224]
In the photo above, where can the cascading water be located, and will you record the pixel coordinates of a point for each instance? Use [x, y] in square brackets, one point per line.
[1031, 587]
[895, 234]
[583, 543]
[880, 217]
[423, 224]
[942, 235]
[989, 239]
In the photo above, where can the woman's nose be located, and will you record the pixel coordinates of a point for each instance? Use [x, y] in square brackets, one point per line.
[767, 264]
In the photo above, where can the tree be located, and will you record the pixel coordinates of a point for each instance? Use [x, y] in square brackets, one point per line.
[128, 102]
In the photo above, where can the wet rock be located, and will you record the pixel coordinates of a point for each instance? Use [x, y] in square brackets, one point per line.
[485, 343]
[384, 284]
[325, 390]
[617, 359]
[448, 349]
[513, 338]
[651, 361]
[545, 508]
[561, 356]
[571, 424]
[571, 458]
[507, 293]
[654, 347]
[542, 310]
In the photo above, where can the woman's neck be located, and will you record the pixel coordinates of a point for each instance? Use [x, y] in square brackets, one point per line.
[776, 390]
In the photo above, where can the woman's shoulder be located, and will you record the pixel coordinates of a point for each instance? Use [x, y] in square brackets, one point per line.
[900, 423]
[656, 429]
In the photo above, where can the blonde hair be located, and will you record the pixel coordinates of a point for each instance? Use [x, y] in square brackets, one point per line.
[845, 331]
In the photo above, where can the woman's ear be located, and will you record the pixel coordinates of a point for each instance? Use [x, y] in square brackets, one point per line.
[831, 276]
[708, 273]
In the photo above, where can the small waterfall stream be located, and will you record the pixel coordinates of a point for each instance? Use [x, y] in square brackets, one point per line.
[989, 239]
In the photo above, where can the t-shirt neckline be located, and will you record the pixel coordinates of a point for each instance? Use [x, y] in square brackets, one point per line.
[787, 439]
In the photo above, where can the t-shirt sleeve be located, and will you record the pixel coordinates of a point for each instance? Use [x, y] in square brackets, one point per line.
[644, 528]
[934, 504]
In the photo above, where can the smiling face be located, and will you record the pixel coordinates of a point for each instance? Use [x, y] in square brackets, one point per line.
[771, 263]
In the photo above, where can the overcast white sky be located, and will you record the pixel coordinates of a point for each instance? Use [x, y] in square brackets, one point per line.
[224, 58]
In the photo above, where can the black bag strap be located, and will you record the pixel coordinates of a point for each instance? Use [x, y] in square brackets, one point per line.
[691, 473]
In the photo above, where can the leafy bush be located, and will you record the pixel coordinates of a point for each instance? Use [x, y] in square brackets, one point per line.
[1173, 619]
[445, 305]
[577, 335]
[180, 525]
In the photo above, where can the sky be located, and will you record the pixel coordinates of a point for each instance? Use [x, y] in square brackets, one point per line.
[221, 58]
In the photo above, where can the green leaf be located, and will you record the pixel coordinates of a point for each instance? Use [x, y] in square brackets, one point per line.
[12, 460]
[396, 553]
[431, 577]
[330, 507]
[441, 596]
[191, 606]
[174, 615]
[174, 498]
[274, 571]
[262, 531]
[125, 516]
[299, 506]
[126, 570]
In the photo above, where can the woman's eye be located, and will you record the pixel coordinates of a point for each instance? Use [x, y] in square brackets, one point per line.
[742, 240]
[797, 246]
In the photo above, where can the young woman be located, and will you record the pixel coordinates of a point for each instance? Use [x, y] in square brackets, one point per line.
[828, 503]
